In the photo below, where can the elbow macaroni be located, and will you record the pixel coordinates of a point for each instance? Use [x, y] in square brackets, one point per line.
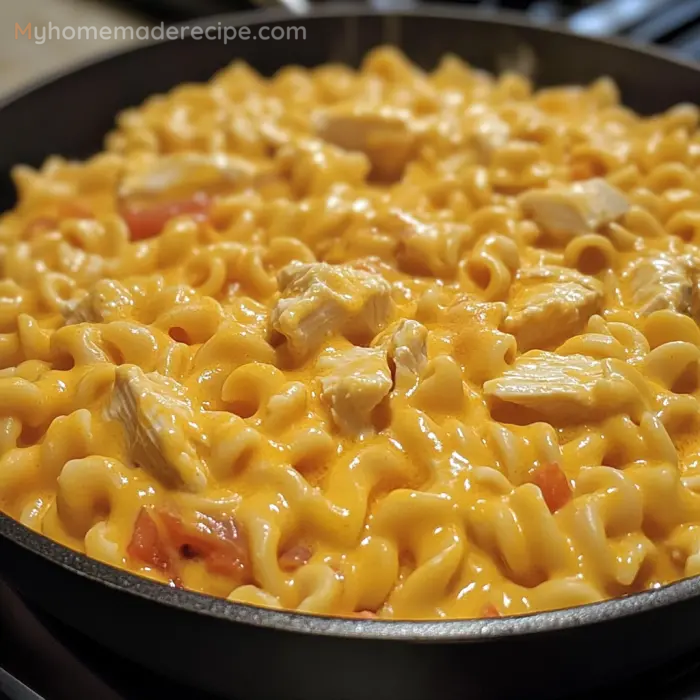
[314, 342]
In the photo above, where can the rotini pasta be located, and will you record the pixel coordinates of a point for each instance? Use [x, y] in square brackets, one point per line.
[366, 343]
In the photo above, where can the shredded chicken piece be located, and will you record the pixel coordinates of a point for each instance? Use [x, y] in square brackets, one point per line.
[384, 135]
[490, 133]
[353, 384]
[561, 388]
[550, 304]
[196, 171]
[355, 128]
[155, 414]
[318, 300]
[406, 345]
[428, 249]
[108, 301]
[580, 207]
[663, 282]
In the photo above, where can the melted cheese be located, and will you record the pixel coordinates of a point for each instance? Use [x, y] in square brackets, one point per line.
[376, 341]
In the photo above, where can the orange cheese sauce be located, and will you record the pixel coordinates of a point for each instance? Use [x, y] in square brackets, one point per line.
[377, 342]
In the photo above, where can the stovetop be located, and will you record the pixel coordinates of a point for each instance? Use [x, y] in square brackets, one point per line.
[673, 24]
[42, 659]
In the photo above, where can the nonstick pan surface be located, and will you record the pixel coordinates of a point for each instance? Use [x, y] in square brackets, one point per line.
[240, 651]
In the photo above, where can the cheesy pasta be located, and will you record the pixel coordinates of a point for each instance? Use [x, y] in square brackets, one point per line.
[373, 342]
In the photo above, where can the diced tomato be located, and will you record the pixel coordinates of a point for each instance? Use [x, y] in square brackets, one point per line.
[226, 564]
[294, 557]
[365, 615]
[160, 539]
[553, 484]
[149, 220]
[147, 546]
[586, 169]
[220, 543]
[490, 610]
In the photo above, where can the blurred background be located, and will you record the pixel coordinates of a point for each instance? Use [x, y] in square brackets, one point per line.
[673, 24]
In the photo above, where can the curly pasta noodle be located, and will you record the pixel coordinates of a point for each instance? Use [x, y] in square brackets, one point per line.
[376, 342]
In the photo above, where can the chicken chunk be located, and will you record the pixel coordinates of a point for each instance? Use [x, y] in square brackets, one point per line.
[108, 301]
[491, 133]
[406, 345]
[488, 131]
[318, 300]
[354, 128]
[663, 282]
[571, 210]
[193, 171]
[565, 388]
[550, 304]
[353, 384]
[427, 249]
[384, 135]
[156, 415]
[316, 168]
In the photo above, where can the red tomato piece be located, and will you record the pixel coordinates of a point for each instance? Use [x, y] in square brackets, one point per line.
[586, 169]
[365, 615]
[149, 220]
[147, 546]
[220, 543]
[226, 564]
[553, 484]
[294, 557]
[490, 610]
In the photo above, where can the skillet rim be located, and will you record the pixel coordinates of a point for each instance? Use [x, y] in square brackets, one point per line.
[346, 10]
[425, 631]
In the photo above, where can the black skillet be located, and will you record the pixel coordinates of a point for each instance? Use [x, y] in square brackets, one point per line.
[246, 652]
